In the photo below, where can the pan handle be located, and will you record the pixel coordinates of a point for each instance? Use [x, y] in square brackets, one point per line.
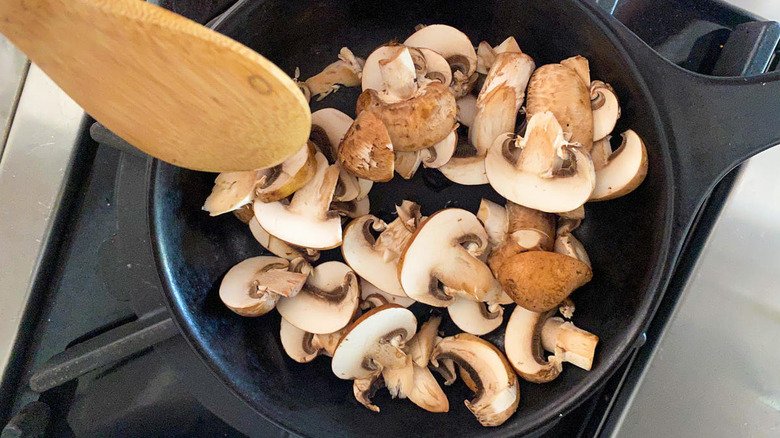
[712, 123]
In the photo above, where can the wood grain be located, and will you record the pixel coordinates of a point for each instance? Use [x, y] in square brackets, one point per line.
[171, 87]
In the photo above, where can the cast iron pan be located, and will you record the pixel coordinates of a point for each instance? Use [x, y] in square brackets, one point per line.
[696, 128]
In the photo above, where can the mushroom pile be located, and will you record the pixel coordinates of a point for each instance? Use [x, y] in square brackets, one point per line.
[521, 257]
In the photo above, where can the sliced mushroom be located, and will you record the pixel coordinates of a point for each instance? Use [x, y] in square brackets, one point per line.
[523, 346]
[542, 170]
[329, 341]
[475, 317]
[580, 65]
[327, 301]
[306, 221]
[623, 170]
[454, 46]
[567, 244]
[497, 391]
[539, 280]
[407, 163]
[446, 369]
[486, 55]
[328, 126]
[605, 107]
[467, 110]
[465, 167]
[364, 390]
[436, 259]
[426, 392]
[346, 71]
[366, 150]
[365, 186]
[416, 123]
[351, 209]
[561, 90]
[436, 67]
[279, 247]
[376, 259]
[500, 99]
[232, 190]
[493, 218]
[300, 345]
[374, 343]
[368, 290]
[421, 345]
[569, 343]
[245, 213]
[254, 286]
[569, 221]
[281, 181]
[440, 154]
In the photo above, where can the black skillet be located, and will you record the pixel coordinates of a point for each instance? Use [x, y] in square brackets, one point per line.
[696, 128]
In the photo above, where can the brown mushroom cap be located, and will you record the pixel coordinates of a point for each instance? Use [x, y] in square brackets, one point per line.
[539, 280]
[560, 89]
[416, 123]
[366, 150]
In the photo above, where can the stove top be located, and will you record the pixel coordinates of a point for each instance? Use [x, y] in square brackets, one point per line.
[96, 354]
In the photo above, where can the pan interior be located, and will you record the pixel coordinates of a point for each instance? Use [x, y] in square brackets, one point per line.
[624, 237]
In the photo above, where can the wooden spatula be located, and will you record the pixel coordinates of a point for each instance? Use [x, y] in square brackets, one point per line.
[171, 87]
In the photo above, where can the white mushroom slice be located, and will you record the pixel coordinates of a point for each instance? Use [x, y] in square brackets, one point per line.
[279, 247]
[567, 244]
[571, 220]
[374, 342]
[446, 369]
[347, 189]
[232, 190]
[475, 317]
[523, 346]
[372, 75]
[376, 260]
[436, 67]
[437, 257]
[624, 171]
[439, 154]
[497, 392]
[467, 110]
[281, 181]
[407, 163]
[253, 287]
[426, 392]
[327, 301]
[306, 221]
[500, 99]
[399, 77]
[421, 345]
[580, 66]
[606, 109]
[364, 389]
[569, 343]
[493, 218]
[346, 71]
[409, 213]
[399, 380]
[509, 45]
[368, 290]
[329, 125]
[330, 341]
[541, 171]
[351, 209]
[301, 346]
[467, 171]
[453, 45]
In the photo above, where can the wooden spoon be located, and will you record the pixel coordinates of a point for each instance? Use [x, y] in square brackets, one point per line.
[171, 87]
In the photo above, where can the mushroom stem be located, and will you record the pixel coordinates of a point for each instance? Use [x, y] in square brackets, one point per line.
[569, 342]
[398, 75]
[421, 345]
